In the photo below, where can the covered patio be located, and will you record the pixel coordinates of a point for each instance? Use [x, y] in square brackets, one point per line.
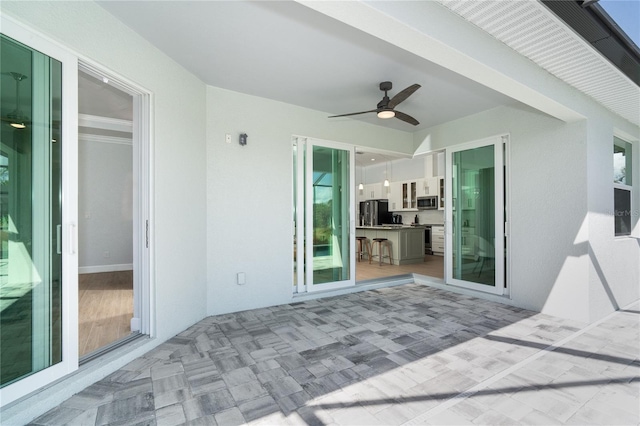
[409, 354]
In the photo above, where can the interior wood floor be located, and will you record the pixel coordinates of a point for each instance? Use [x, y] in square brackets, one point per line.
[105, 309]
[433, 266]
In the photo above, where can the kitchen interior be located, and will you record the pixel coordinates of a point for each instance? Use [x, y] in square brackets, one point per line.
[402, 201]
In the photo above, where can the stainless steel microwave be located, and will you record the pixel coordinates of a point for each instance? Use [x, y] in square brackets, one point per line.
[428, 203]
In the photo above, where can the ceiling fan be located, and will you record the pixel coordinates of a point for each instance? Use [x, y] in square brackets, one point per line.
[386, 107]
[16, 118]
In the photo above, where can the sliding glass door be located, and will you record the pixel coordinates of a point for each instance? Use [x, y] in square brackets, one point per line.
[31, 256]
[324, 216]
[34, 325]
[475, 243]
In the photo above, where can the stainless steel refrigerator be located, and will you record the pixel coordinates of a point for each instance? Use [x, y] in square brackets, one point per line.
[374, 212]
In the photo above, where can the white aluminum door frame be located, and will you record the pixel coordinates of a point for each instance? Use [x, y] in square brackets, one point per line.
[142, 318]
[304, 214]
[498, 143]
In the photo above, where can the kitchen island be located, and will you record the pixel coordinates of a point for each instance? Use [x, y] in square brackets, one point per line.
[407, 242]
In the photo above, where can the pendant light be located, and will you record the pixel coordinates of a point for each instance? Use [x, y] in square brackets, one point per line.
[361, 185]
[386, 176]
[16, 118]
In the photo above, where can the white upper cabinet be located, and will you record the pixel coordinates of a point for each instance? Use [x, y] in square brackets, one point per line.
[428, 187]
[374, 191]
[409, 195]
[395, 196]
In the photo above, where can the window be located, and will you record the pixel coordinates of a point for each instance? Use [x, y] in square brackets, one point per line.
[622, 172]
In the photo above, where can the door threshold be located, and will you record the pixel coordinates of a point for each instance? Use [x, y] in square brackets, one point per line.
[110, 347]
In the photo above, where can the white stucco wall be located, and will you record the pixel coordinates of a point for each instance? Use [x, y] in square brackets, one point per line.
[249, 192]
[614, 270]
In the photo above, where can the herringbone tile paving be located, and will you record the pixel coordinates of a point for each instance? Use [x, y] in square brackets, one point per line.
[410, 354]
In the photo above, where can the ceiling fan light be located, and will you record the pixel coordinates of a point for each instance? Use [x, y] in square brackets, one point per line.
[386, 114]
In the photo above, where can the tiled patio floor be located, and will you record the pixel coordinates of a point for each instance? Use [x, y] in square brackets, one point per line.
[401, 355]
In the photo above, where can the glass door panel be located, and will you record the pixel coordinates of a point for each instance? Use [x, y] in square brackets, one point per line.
[30, 212]
[324, 219]
[475, 217]
[330, 196]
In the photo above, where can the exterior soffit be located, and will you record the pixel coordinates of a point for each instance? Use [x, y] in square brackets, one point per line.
[533, 31]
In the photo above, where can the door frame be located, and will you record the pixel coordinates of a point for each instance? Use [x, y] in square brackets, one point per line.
[142, 193]
[69, 132]
[501, 150]
[304, 215]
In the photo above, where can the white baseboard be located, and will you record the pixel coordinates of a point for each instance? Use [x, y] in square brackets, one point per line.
[105, 268]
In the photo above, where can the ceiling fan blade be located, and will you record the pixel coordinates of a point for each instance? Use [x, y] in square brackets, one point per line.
[404, 117]
[353, 113]
[401, 96]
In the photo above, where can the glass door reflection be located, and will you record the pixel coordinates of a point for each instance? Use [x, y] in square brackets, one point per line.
[475, 236]
[30, 212]
[330, 196]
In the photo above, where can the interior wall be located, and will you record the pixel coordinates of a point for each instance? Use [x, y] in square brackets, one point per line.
[397, 170]
[105, 205]
[249, 192]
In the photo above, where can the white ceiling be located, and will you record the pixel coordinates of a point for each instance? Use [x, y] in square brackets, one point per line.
[290, 53]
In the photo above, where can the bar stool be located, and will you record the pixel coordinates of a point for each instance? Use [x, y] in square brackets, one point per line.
[363, 242]
[382, 242]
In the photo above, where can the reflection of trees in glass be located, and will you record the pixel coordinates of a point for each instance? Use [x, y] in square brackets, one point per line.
[619, 175]
[322, 222]
[4, 175]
